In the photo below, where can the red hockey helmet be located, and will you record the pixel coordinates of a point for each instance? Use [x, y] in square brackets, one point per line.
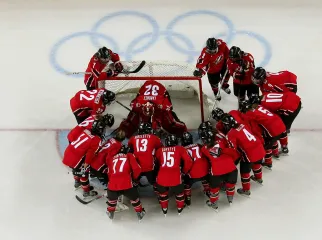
[148, 109]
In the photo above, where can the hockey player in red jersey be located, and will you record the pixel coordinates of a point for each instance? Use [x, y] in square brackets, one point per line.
[241, 66]
[88, 123]
[123, 170]
[86, 103]
[108, 149]
[241, 138]
[283, 81]
[213, 61]
[144, 146]
[199, 170]
[80, 153]
[154, 92]
[170, 160]
[98, 63]
[286, 104]
[159, 115]
[273, 127]
[223, 169]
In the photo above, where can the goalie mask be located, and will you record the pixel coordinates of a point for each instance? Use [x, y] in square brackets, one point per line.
[148, 109]
[103, 54]
[259, 76]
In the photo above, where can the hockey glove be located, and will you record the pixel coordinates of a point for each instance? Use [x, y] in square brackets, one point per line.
[197, 73]
[118, 67]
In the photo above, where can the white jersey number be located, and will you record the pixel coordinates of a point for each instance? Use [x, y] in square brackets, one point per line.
[116, 161]
[194, 153]
[141, 145]
[81, 139]
[265, 111]
[249, 136]
[274, 97]
[168, 159]
[151, 90]
[90, 97]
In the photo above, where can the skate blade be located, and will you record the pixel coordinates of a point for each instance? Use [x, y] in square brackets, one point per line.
[268, 168]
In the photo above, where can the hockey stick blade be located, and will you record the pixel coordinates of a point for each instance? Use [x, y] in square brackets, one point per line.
[137, 69]
[87, 202]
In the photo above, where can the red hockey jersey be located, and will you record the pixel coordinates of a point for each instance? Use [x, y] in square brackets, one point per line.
[249, 146]
[220, 165]
[76, 131]
[144, 147]
[271, 122]
[85, 103]
[95, 68]
[200, 166]
[283, 81]
[281, 103]
[83, 149]
[122, 169]
[170, 161]
[242, 71]
[213, 63]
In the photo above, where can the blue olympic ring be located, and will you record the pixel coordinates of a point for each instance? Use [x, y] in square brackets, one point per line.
[132, 49]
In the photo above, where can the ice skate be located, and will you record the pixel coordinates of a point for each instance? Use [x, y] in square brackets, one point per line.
[77, 184]
[90, 194]
[218, 97]
[267, 166]
[260, 181]
[187, 201]
[243, 192]
[230, 199]
[284, 150]
[141, 214]
[226, 90]
[110, 215]
[180, 210]
[212, 205]
[165, 211]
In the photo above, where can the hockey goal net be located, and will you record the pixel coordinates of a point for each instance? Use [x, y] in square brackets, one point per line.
[185, 90]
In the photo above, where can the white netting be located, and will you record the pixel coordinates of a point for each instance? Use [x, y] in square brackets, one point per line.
[177, 77]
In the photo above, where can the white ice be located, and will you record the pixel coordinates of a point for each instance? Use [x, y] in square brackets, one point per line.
[37, 198]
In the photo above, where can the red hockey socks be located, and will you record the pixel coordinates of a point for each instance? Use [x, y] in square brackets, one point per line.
[85, 183]
[164, 199]
[230, 189]
[76, 178]
[214, 194]
[205, 185]
[284, 141]
[268, 157]
[245, 179]
[275, 149]
[137, 205]
[111, 205]
[257, 169]
[187, 190]
[180, 200]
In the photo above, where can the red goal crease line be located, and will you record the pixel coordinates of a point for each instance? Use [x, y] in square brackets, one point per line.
[68, 129]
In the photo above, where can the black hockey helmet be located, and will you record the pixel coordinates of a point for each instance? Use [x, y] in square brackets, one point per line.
[229, 121]
[171, 140]
[203, 127]
[108, 97]
[124, 149]
[258, 76]
[235, 53]
[254, 99]
[187, 139]
[212, 45]
[207, 137]
[244, 106]
[109, 120]
[145, 128]
[217, 114]
[104, 54]
[98, 127]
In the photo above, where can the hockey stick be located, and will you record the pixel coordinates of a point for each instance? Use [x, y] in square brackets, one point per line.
[123, 106]
[141, 65]
[87, 202]
[218, 93]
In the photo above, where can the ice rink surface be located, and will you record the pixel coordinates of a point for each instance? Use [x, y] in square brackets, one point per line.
[40, 39]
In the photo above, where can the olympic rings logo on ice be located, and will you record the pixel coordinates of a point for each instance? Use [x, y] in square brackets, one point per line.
[150, 38]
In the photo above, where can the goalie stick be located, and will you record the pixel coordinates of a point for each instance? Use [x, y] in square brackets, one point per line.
[141, 65]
